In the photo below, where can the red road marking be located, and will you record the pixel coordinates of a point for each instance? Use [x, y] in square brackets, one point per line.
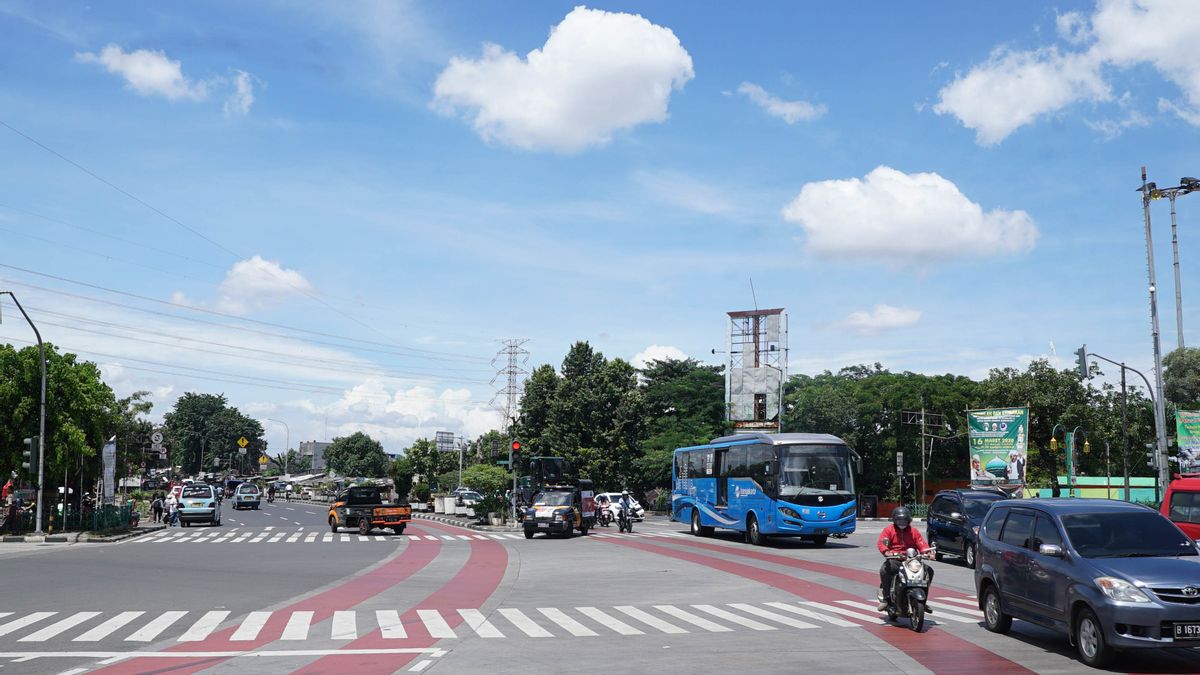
[479, 577]
[938, 651]
[413, 559]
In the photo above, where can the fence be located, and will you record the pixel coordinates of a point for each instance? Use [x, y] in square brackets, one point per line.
[103, 519]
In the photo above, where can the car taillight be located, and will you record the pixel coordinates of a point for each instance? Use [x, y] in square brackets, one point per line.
[212, 505]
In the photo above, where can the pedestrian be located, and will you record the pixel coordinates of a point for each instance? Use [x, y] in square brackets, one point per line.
[172, 510]
[156, 508]
[12, 507]
[289, 492]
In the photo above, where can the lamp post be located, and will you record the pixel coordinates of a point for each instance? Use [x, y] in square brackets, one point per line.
[287, 443]
[1160, 416]
[41, 415]
[1186, 185]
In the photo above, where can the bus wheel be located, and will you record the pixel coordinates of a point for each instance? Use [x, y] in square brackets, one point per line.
[696, 522]
[752, 533]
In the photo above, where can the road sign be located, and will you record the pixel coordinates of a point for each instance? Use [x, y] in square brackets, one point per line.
[242, 442]
[899, 462]
[156, 446]
[503, 462]
[241, 451]
[262, 461]
[156, 437]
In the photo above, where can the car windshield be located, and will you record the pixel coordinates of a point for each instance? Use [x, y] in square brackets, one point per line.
[471, 495]
[248, 489]
[197, 491]
[363, 495]
[553, 498]
[977, 507]
[814, 470]
[1126, 535]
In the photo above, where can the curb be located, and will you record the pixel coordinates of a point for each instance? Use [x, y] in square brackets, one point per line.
[119, 537]
[445, 520]
[77, 537]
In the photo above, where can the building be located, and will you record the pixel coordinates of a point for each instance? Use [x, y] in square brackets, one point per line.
[315, 451]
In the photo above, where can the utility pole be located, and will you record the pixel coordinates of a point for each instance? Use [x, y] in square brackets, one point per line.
[1148, 191]
[41, 477]
[1125, 414]
[507, 400]
[925, 419]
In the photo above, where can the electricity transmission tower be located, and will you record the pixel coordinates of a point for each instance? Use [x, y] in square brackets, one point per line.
[512, 359]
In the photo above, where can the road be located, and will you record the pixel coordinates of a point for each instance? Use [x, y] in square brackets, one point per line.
[274, 591]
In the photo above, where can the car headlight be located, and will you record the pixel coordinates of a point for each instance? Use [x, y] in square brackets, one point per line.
[1121, 590]
[848, 511]
[789, 512]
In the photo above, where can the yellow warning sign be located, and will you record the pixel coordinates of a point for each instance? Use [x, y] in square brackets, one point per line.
[262, 460]
[242, 442]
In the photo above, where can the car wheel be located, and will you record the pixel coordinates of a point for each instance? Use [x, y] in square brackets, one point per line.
[753, 535]
[399, 529]
[364, 527]
[333, 524]
[994, 618]
[820, 539]
[1089, 638]
[969, 554]
[529, 534]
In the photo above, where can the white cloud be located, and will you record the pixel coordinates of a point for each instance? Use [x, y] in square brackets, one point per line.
[657, 353]
[686, 192]
[256, 283]
[788, 111]
[148, 73]
[242, 98]
[881, 318]
[904, 218]
[1014, 88]
[598, 73]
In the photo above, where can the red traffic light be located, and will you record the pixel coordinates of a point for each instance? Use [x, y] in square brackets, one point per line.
[516, 446]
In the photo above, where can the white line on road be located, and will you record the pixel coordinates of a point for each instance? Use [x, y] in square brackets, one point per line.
[567, 623]
[297, 626]
[430, 537]
[936, 615]
[698, 621]
[204, 626]
[435, 624]
[846, 612]
[18, 624]
[613, 623]
[343, 627]
[269, 527]
[772, 616]
[59, 626]
[650, 619]
[251, 625]
[108, 627]
[151, 630]
[390, 625]
[517, 618]
[734, 618]
[479, 623]
[420, 665]
[812, 615]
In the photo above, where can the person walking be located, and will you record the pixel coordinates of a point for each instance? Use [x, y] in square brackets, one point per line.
[172, 510]
[156, 508]
[289, 492]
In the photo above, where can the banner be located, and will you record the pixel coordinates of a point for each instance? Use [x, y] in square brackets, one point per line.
[109, 456]
[1187, 436]
[999, 441]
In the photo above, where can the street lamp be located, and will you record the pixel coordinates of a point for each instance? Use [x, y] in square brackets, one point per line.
[1160, 415]
[41, 417]
[1186, 186]
[287, 444]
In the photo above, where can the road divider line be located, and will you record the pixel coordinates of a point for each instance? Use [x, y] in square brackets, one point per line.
[156, 626]
[697, 621]
[59, 626]
[204, 626]
[615, 624]
[479, 623]
[650, 619]
[250, 627]
[108, 627]
[526, 625]
[565, 622]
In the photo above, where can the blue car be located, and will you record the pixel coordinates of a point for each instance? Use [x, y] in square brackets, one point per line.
[198, 503]
[1109, 575]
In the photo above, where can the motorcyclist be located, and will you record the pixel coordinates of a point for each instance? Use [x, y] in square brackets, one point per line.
[894, 542]
[270, 493]
[625, 503]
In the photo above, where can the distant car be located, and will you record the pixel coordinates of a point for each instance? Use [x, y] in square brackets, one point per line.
[639, 514]
[954, 519]
[1181, 504]
[246, 495]
[468, 498]
[1108, 574]
[198, 503]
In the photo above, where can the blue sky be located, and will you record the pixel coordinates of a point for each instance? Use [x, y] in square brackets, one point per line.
[940, 189]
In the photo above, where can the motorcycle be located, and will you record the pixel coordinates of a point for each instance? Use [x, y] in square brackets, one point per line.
[625, 520]
[910, 589]
[604, 516]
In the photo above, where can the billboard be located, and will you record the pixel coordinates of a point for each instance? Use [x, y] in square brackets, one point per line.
[999, 441]
[1187, 435]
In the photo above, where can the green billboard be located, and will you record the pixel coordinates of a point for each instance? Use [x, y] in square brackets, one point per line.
[999, 440]
[1187, 436]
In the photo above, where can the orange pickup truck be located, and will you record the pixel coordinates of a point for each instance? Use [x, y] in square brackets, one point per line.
[362, 507]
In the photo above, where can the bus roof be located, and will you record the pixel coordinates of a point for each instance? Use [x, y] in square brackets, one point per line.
[774, 439]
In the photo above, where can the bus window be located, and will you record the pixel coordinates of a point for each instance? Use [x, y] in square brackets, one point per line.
[735, 461]
[759, 466]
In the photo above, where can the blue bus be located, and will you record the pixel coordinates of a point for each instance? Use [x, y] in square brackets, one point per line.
[799, 485]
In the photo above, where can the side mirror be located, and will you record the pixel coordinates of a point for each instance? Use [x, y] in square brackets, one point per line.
[1052, 550]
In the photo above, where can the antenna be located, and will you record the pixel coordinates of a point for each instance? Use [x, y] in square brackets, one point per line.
[753, 295]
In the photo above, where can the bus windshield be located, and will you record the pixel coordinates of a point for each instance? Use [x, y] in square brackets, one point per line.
[814, 470]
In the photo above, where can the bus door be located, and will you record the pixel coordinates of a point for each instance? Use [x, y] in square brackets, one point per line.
[719, 456]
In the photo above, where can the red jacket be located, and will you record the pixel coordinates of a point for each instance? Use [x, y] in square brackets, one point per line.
[892, 540]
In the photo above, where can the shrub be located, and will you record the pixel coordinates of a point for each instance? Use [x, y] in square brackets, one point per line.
[420, 492]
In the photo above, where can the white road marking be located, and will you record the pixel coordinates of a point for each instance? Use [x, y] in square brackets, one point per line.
[269, 527]
[612, 623]
[567, 623]
[431, 537]
[420, 665]
[650, 619]
[294, 537]
[277, 537]
[517, 618]
[936, 615]
[343, 627]
[345, 537]
[812, 615]
[390, 625]
[151, 630]
[251, 625]
[698, 621]
[772, 616]
[297, 626]
[204, 626]
[447, 537]
[18, 624]
[463, 536]
[480, 536]
[733, 618]
[869, 618]
[972, 603]
[108, 627]
[435, 624]
[312, 536]
[479, 623]
[59, 626]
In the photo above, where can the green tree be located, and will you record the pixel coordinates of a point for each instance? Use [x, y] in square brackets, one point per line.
[1181, 378]
[427, 461]
[289, 462]
[684, 404]
[205, 428]
[401, 473]
[488, 481]
[357, 455]
[133, 431]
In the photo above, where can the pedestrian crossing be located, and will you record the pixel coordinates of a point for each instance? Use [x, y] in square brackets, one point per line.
[186, 626]
[222, 536]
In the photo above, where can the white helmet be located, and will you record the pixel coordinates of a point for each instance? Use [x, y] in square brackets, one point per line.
[624, 493]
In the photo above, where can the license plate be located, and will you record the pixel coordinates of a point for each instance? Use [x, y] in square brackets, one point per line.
[820, 530]
[1187, 631]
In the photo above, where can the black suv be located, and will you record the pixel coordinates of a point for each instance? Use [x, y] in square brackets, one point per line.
[952, 524]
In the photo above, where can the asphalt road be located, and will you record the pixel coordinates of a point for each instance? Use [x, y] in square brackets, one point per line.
[274, 591]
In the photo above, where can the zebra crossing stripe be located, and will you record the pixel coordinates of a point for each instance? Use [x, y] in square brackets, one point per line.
[297, 626]
[59, 627]
[463, 536]
[960, 601]
[294, 538]
[869, 618]
[251, 626]
[607, 621]
[345, 537]
[515, 536]
[343, 627]
[362, 538]
[430, 537]
[567, 623]
[496, 536]
[277, 537]
[390, 626]
[435, 624]
[812, 615]
[328, 537]
[650, 619]
[312, 536]
[447, 537]
[204, 626]
[151, 630]
[108, 627]
[517, 618]
[18, 624]
[733, 618]
[772, 616]
[698, 621]
[937, 615]
[479, 623]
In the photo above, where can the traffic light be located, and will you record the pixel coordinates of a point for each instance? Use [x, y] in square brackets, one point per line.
[516, 447]
[1081, 362]
[29, 456]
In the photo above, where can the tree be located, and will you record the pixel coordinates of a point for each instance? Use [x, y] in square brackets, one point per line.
[684, 404]
[488, 481]
[205, 428]
[1181, 378]
[289, 462]
[357, 455]
[401, 473]
[132, 432]
[427, 461]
